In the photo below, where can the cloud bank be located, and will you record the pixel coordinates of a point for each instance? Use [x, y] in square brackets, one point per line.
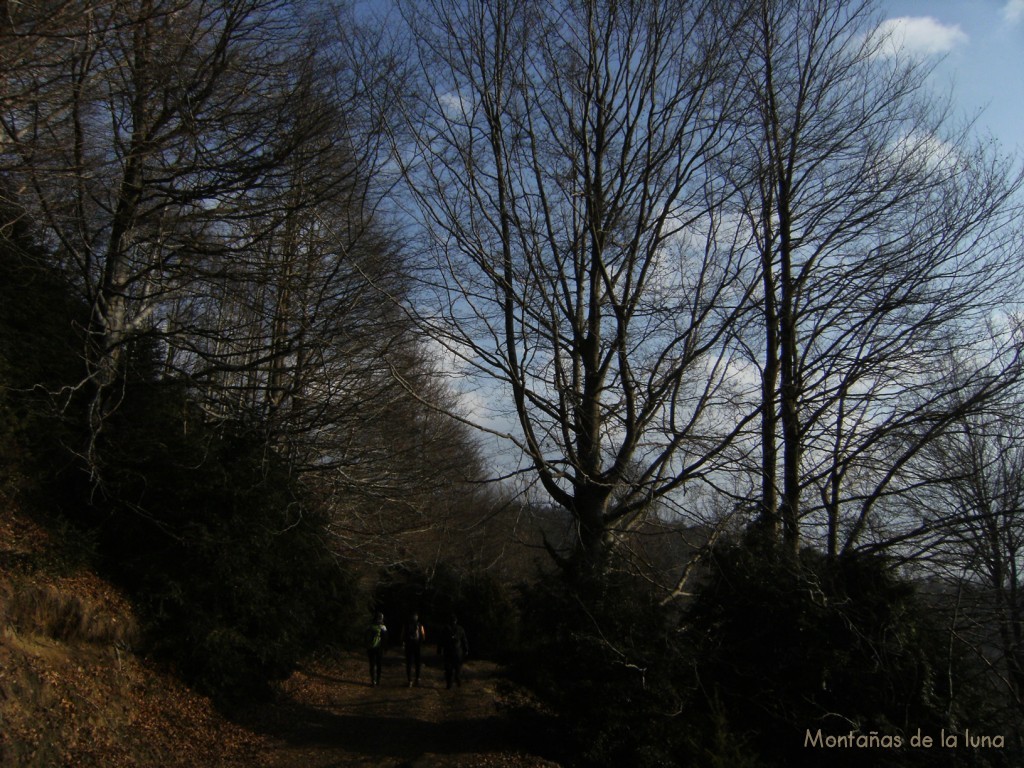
[923, 36]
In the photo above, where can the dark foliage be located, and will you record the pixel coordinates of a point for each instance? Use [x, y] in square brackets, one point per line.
[768, 651]
[216, 543]
[605, 656]
[784, 648]
[41, 348]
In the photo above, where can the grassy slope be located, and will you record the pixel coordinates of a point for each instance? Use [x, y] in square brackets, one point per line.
[72, 692]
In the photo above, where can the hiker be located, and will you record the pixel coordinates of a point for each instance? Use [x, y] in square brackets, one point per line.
[413, 636]
[454, 647]
[376, 636]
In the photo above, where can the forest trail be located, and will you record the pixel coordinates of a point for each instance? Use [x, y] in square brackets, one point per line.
[328, 715]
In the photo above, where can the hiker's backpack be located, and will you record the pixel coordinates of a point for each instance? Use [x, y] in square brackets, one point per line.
[374, 636]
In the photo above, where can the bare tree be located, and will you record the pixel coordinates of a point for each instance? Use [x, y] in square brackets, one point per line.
[561, 156]
[884, 239]
[152, 123]
[210, 176]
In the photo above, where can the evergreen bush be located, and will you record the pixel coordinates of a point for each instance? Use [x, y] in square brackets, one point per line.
[217, 543]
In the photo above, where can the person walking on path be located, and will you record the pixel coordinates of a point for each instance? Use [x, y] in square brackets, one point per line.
[454, 647]
[376, 636]
[413, 636]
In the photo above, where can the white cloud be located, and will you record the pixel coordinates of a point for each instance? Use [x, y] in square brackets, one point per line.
[1013, 11]
[921, 36]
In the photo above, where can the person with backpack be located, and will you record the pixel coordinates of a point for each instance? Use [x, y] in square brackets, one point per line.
[454, 647]
[413, 636]
[376, 636]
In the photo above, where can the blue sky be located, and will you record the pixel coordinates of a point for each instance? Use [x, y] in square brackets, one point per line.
[979, 46]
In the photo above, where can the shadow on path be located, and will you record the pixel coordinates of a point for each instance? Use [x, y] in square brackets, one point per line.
[392, 736]
[328, 715]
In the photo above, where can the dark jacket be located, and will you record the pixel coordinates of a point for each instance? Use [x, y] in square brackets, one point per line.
[413, 634]
[454, 646]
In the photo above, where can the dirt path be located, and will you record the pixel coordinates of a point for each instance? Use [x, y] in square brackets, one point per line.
[330, 716]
